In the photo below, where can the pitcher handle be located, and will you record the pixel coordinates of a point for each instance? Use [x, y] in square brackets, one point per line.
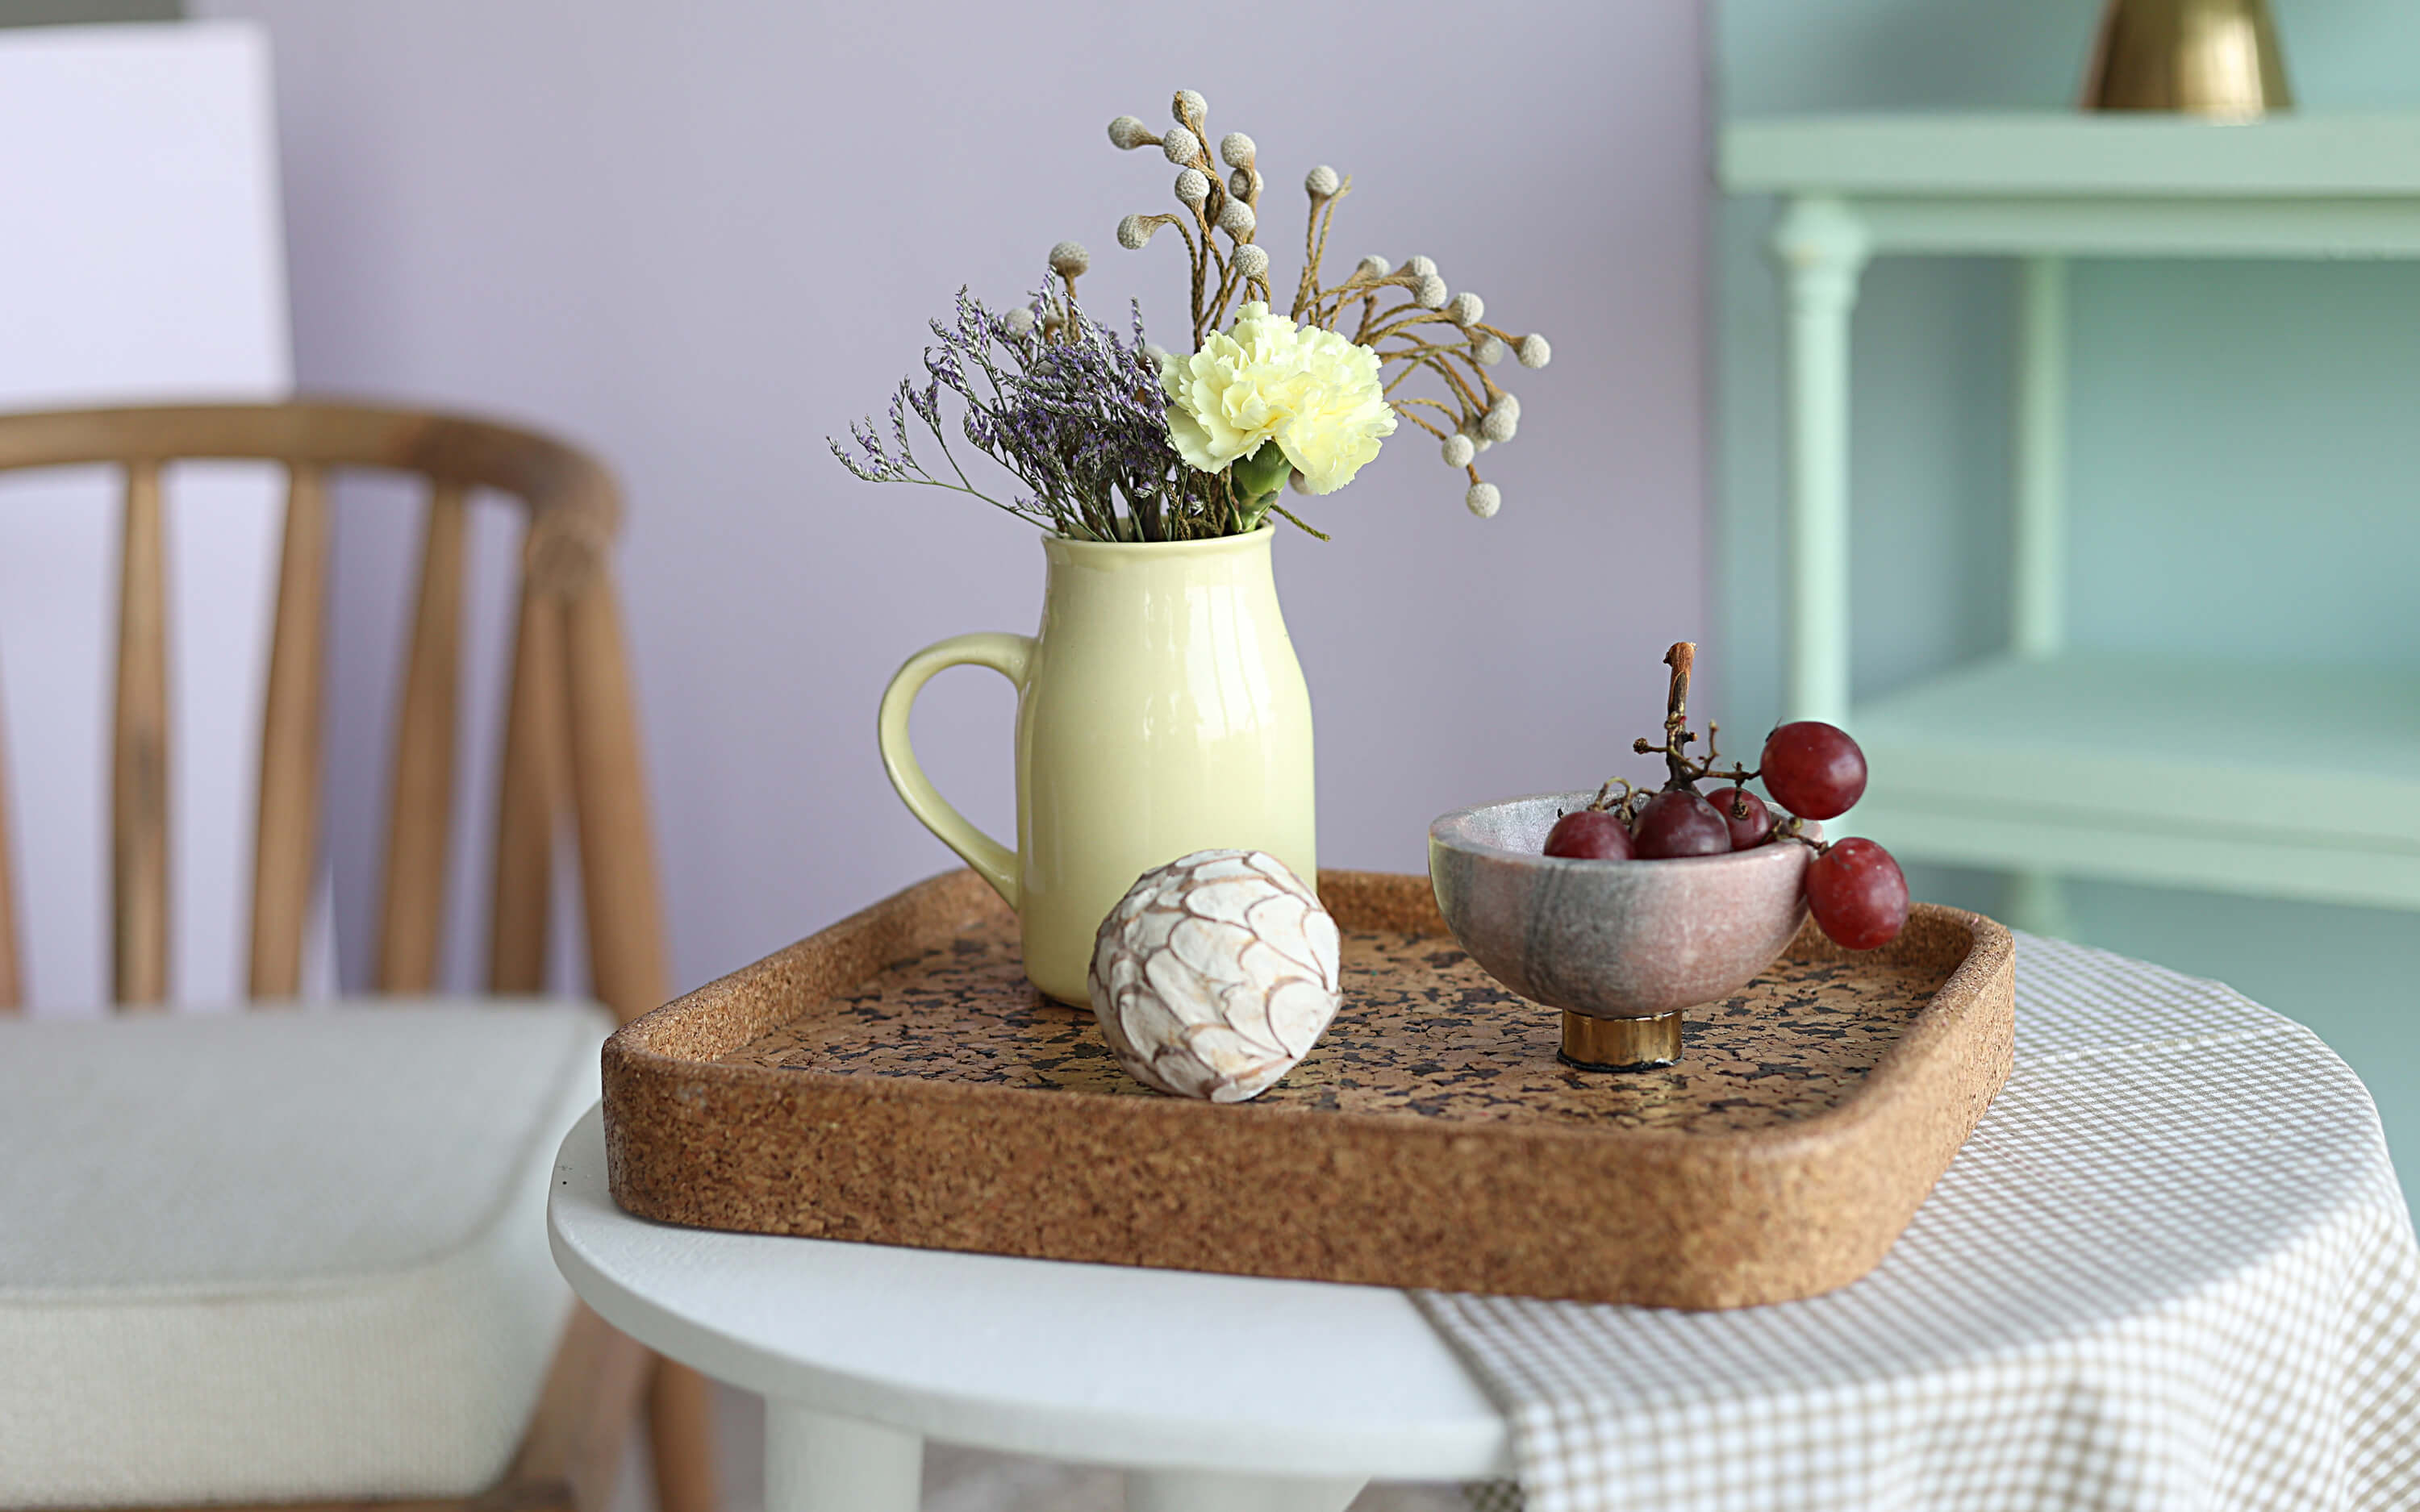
[1007, 654]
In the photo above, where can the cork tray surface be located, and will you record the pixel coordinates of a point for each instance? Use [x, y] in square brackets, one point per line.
[1423, 1032]
[895, 1079]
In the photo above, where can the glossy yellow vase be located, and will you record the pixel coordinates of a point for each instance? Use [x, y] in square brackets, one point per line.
[1159, 711]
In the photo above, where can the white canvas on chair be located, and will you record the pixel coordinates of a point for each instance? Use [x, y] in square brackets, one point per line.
[141, 259]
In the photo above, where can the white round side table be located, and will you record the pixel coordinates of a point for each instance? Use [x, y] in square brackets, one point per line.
[1215, 1393]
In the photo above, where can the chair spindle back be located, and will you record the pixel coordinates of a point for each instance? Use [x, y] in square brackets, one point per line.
[570, 732]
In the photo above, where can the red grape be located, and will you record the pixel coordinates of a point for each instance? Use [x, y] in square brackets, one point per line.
[1813, 769]
[1858, 894]
[1680, 824]
[1590, 835]
[1750, 832]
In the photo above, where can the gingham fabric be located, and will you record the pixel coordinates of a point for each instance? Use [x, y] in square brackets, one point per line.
[2171, 1269]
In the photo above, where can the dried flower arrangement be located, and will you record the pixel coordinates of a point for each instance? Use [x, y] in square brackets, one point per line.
[1114, 440]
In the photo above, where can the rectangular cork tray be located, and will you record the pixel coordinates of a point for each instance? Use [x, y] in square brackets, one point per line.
[895, 1080]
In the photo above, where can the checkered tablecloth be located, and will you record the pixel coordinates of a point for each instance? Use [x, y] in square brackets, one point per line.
[2170, 1270]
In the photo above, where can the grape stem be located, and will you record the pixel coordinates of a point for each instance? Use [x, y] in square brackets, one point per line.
[1684, 773]
[1625, 803]
[1790, 826]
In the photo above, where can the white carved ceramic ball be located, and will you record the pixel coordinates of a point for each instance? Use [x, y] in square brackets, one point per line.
[1216, 975]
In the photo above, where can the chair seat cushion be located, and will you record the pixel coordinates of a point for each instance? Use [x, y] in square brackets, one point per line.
[279, 1254]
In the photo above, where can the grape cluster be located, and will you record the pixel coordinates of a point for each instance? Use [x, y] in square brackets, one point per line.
[1811, 769]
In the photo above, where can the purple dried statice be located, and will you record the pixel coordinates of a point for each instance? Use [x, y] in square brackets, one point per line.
[1075, 413]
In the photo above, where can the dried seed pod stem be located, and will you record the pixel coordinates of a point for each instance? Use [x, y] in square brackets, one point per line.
[1433, 360]
[1373, 320]
[1419, 317]
[1404, 409]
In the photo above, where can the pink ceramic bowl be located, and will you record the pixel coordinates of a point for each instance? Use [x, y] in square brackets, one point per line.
[1610, 939]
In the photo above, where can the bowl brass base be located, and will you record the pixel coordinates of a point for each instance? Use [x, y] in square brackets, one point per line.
[1621, 1044]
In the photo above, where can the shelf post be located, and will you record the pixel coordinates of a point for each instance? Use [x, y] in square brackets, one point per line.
[2036, 902]
[1820, 248]
[2038, 544]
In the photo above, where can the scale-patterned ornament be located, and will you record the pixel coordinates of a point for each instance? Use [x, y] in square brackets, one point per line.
[1216, 975]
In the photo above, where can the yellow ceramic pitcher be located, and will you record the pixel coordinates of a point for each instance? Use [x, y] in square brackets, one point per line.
[1159, 711]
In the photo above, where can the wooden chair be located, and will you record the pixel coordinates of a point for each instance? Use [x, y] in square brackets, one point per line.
[570, 742]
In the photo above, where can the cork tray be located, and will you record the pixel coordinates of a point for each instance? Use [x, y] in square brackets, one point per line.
[895, 1080]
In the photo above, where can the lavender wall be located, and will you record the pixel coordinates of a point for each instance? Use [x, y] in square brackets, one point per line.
[699, 237]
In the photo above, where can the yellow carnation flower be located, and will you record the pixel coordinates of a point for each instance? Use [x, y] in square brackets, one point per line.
[1264, 378]
[1340, 412]
[1226, 399]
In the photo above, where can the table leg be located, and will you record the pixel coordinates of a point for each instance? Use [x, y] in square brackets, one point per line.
[1820, 247]
[818, 1462]
[1204, 1490]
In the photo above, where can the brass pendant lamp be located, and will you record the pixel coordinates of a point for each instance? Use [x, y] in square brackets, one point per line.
[2201, 57]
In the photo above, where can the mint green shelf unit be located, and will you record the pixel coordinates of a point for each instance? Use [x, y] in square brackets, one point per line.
[1973, 767]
